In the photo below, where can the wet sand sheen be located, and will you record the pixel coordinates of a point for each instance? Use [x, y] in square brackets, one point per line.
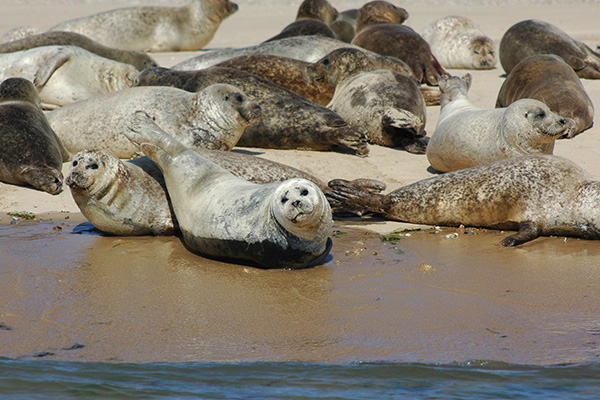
[423, 298]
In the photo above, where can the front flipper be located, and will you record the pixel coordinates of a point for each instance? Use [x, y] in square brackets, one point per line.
[528, 230]
[45, 72]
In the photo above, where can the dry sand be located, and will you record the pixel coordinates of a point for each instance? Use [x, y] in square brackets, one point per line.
[425, 297]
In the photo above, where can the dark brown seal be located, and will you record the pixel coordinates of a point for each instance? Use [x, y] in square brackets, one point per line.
[30, 152]
[540, 195]
[379, 12]
[546, 77]
[289, 121]
[530, 37]
[138, 59]
[402, 42]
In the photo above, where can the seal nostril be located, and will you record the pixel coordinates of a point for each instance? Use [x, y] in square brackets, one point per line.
[296, 203]
[562, 121]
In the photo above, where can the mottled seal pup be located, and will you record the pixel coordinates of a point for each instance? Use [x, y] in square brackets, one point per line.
[466, 136]
[402, 42]
[66, 74]
[213, 118]
[278, 225]
[138, 59]
[119, 198]
[538, 195]
[30, 152]
[546, 77]
[456, 42]
[288, 122]
[531, 37]
[150, 28]
[387, 104]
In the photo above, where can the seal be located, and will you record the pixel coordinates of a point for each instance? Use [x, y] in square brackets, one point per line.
[119, 198]
[320, 10]
[379, 12]
[277, 225]
[466, 136]
[30, 152]
[138, 59]
[546, 77]
[456, 42]
[538, 195]
[304, 27]
[387, 104]
[305, 48]
[402, 42]
[213, 118]
[288, 122]
[130, 198]
[149, 28]
[66, 74]
[530, 37]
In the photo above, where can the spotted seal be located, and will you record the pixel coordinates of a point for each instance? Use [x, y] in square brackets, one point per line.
[277, 225]
[288, 122]
[138, 59]
[150, 28]
[213, 118]
[466, 136]
[30, 152]
[456, 42]
[531, 37]
[387, 104]
[538, 195]
[66, 74]
[546, 77]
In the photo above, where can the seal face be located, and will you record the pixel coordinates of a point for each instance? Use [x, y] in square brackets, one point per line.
[138, 59]
[402, 42]
[387, 104]
[289, 121]
[280, 225]
[530, 37]
[467, 136]
[118, 198]
[540, 195]
[213, 118]
[66, 74]
[149, 28]
[456, 42]
[30, 152]
[546, 77]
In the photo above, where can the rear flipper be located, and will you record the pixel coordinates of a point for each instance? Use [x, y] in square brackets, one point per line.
[406, 130]
[528, 230]
[358, 196]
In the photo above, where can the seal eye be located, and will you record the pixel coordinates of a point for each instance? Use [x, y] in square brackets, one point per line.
[226, 98]
[240, 99]
[284, 200]
[304, 192]
[326, 61]
[75, 163]
[92, 166]
[476, 51]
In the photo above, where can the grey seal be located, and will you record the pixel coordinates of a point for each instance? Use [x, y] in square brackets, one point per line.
[456, 42]
[277, 225]
[66, 74]
[213, 118]
[387, 104]
[379, 12]
[288, 122]
[530, 37]
[466, 136]
[151, 28]
[546, 77]
[30, 152]
[138, 59]
[538, 195]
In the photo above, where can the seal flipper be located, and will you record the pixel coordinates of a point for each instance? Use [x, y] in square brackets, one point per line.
[156, 154]
[349, 195]
[45, 72]
[528, 230]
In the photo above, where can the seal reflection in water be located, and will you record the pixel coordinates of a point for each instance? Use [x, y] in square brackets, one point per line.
[540, 195]
[278, 225]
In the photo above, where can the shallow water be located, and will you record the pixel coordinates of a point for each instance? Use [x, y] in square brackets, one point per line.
[40, 379]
